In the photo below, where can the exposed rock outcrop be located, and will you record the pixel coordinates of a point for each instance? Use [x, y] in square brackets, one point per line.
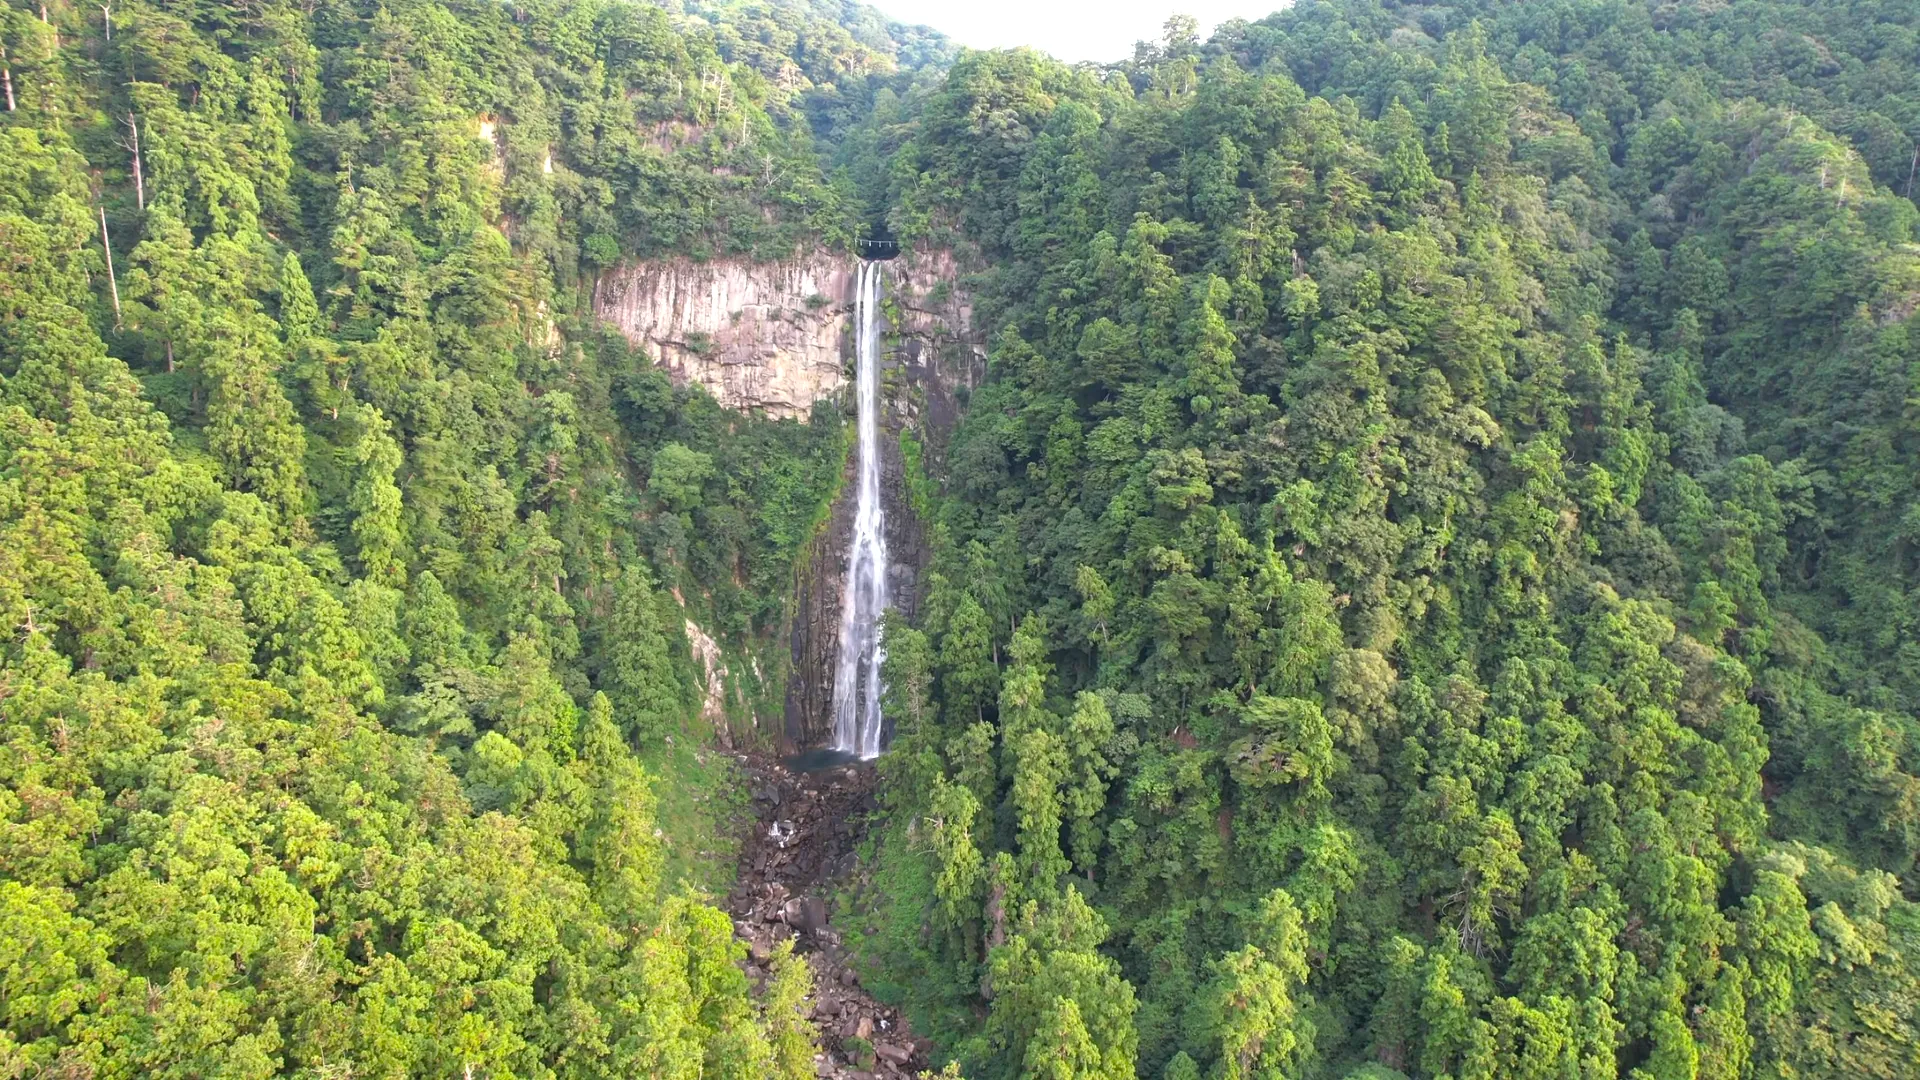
[764, 337]
[937, 358]
[942, 353]
[813, 630]
[774, 337]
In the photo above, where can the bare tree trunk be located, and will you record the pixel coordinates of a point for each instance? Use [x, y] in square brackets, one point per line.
[6, 76]
[106, 19]
[1910, 169]
[112, 283]
[49, 22]
[133, 145]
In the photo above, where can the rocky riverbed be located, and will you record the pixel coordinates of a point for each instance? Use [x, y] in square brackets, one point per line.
[801, 843]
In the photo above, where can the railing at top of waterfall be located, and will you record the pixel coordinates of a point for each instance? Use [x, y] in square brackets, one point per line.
[876, 249]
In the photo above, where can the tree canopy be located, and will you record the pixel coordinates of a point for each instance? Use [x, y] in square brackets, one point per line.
[1423, 587]
[1427, 588]
[343, 560]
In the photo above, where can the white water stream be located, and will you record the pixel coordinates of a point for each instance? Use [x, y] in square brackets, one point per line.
[856, 684]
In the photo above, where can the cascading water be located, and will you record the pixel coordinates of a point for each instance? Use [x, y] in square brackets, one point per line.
[856, 685]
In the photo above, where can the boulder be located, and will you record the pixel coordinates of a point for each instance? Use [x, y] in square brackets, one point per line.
[805, 913]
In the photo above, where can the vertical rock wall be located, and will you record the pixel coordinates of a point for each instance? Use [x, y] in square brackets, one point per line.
[761, 337]
[813, 628]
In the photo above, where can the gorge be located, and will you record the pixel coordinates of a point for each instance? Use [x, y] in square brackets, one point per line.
[1381, 542]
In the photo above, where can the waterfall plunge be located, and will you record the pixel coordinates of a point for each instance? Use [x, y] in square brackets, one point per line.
[856, 684]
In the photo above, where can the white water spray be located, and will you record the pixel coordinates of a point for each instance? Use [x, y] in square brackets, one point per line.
[856, 685]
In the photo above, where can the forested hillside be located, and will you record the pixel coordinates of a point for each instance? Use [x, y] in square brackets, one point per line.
[343, 561]
[1428, 587]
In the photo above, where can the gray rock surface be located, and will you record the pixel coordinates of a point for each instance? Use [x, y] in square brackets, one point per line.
[783, 891]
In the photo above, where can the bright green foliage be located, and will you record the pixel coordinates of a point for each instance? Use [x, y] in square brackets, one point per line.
[1057, 1003]
[1060, 1048]
[1426, 587]
[677, 475]
[789, 1031]
[951, 811]
[1429, 563]
[647, 689]
[1248, 1009]
[335, 595]
[379, 531]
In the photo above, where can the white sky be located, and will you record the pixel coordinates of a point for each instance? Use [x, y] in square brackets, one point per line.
[1072, 30]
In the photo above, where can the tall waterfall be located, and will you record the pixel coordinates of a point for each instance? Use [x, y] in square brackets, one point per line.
[856, 685]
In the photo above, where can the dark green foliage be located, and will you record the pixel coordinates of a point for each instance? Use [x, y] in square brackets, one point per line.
[1428, 570]
[735, 514]
[1427, 588]
[343, 566]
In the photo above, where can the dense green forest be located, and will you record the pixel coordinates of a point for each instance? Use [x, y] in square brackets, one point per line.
[1430, 586]
[338, 548]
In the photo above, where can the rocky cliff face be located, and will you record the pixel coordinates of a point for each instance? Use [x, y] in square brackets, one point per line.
[935, 358]
[776, 338]
[935, 345]
[764, 337]
[813, 628]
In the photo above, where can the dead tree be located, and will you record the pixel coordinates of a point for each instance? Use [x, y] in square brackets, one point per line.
[131, 144]
[113, 285]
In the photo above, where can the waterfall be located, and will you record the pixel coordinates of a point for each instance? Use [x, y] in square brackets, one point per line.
[856, 685]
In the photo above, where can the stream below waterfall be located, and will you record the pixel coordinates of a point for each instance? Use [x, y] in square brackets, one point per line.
[797, 855]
